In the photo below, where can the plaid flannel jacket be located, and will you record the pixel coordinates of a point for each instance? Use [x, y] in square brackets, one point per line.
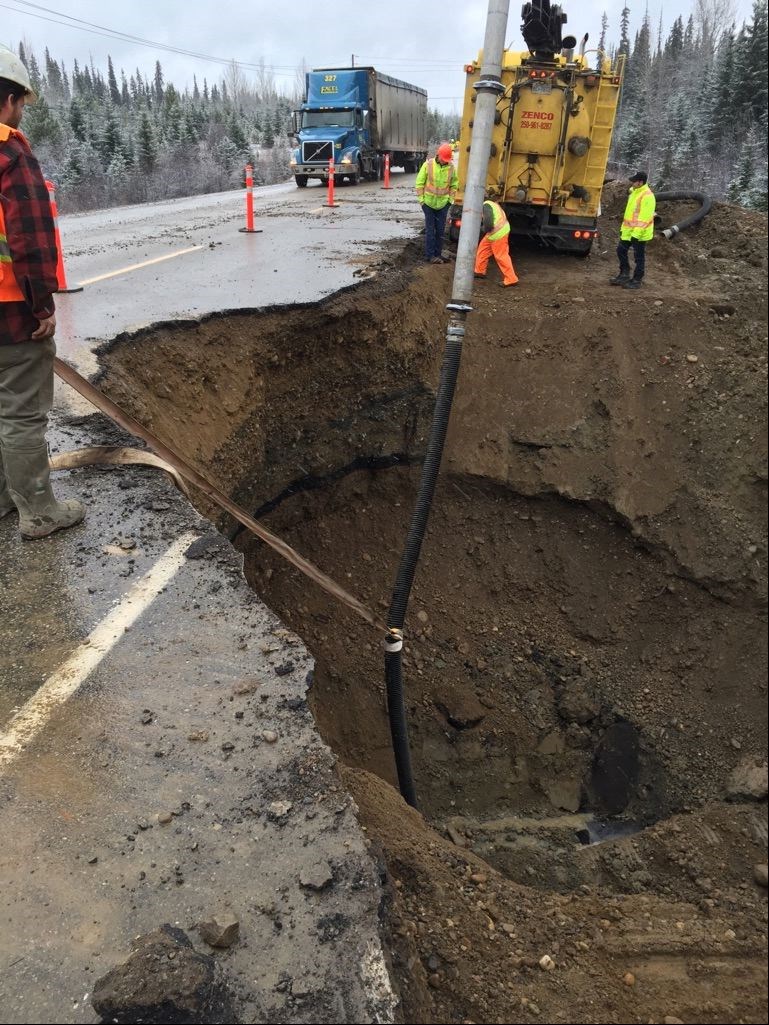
[30, 229]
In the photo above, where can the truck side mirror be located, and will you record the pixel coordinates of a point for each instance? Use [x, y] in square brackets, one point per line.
[295, 122]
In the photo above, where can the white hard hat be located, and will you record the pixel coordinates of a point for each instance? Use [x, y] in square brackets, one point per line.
[12, 69]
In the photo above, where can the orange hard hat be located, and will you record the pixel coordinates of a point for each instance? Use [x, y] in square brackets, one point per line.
[445, 153]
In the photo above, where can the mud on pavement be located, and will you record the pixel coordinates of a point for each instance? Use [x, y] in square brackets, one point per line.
[181, 803]
[590, 607]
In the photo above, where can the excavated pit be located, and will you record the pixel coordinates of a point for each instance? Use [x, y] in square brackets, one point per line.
[586, 636]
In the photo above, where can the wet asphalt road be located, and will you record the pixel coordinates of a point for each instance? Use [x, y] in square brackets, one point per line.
[195, 708]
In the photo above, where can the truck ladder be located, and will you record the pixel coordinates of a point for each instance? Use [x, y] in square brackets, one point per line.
[605, 115]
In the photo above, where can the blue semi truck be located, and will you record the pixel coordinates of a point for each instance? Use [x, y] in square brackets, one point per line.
[358, 117]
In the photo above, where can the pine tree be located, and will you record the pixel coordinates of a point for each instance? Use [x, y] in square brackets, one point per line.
[146, 145]
[114, 91]
[604, 31]
[159, 84]
[54, 86]
[40, 125]
[77, 120]
[110, 141]
[624, 27]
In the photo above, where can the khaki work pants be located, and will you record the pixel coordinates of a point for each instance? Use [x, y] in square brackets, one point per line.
[26, 393]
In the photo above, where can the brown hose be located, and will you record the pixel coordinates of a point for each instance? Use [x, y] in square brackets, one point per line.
[101, 455]
[97, 398]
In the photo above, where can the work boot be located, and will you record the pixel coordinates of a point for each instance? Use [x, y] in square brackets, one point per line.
[621, 279]
[633, 283]
[28, 480]
[6, 502]
[481, 277]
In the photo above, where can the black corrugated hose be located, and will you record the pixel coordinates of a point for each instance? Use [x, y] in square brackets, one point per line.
[698, 197]
[452, 358]
[488, 89]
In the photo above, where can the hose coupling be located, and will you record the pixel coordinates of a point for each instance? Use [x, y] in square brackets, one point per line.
[490, 84]
[393, 642]
[671, 232]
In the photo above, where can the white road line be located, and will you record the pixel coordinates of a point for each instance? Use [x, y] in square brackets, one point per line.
[32, 717]
[139, 266]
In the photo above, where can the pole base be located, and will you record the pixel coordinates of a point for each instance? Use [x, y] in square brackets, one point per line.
[386, 187]
[67, 291]
[332, 204]
[250, 231]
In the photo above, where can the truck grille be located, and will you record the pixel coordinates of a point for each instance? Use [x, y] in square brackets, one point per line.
[315, 151]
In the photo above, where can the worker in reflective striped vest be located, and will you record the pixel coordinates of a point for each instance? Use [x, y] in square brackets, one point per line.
[28, 280]
[495, 241]
[436, 186]
[637, 229]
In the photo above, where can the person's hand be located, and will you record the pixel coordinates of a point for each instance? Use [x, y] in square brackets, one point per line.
[46, 329]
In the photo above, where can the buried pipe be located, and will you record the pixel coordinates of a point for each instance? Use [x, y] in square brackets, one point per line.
[488, 89]
[698, 197]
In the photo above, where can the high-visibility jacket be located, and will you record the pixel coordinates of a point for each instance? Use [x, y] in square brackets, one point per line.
[500, 224]
[638, 222]
[9, 288]
[436, 184]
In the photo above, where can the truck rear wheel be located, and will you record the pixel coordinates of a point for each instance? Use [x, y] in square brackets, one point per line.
[301, 181]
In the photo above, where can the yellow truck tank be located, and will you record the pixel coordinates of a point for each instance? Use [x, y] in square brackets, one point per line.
[550, 145]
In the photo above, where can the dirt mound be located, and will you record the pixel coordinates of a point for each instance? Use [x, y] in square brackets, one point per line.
[469, 945]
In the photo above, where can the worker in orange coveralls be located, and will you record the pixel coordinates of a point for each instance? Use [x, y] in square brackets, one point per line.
[495, 242]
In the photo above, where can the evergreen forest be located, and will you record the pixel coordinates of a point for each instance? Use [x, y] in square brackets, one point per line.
[693, 114]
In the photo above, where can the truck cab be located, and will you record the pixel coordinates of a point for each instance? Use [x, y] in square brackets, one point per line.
[334, 121]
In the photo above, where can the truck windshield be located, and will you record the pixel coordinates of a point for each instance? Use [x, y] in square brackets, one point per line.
[321, 118]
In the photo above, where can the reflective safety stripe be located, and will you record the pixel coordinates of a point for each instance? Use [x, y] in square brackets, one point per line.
[9, 288]
[635, 221]
[431, 187]
[501, 224]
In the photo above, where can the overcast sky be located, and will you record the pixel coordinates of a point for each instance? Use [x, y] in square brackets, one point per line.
[425, 42]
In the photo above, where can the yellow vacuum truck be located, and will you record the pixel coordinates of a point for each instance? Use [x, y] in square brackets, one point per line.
[552, 136]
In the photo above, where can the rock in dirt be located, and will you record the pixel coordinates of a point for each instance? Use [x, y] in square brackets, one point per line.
[750, 779]
[760, 875]
[578, 737]
[456, 837]
[164, 980]
[221, 930]
[578, 703]
[565, 794]
[462, 708]
[552, 744]
[316, 877]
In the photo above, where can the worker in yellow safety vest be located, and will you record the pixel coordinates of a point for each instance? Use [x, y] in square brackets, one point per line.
[495, 241]
[637, 229]
[436, 186]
